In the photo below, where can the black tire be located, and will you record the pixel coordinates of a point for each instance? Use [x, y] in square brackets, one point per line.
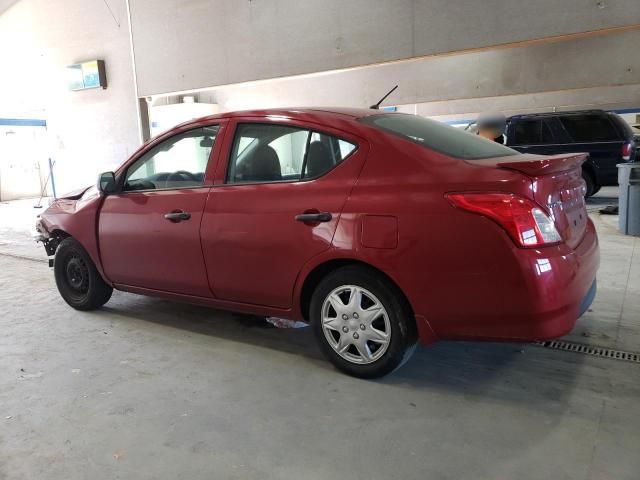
[592, 188]
[402, 337]
[77, 278]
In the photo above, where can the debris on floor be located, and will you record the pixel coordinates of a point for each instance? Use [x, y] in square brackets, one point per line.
[284, 323]
[610, 210]
[267, 322]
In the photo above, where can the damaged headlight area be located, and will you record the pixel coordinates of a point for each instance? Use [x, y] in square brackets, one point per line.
[49, 241]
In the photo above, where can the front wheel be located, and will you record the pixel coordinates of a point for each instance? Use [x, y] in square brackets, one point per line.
[362, 322]
[77, 278]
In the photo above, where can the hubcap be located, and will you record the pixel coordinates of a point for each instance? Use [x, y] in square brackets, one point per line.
[356, 324]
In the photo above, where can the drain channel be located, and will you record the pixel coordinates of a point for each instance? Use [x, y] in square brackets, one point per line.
[591, 350]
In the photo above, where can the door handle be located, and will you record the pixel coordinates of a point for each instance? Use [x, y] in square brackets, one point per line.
[177, 216]
[314, 217]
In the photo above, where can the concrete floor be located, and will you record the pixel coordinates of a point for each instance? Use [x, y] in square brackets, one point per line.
[147, 388]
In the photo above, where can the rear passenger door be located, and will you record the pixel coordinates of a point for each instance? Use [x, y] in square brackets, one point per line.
[275, 205]
[534, 135]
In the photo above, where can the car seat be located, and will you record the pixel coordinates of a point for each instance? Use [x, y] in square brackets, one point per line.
[263, 166]
[319, 160]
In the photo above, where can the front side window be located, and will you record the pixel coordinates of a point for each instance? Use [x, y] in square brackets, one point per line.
[178, 162]
[532, 132]
[589, 128]
[438, 136]
[264, 153]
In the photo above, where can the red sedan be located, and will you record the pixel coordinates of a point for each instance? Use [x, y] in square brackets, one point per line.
[378, 229]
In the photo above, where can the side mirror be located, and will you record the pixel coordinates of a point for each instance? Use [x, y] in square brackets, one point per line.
[107, 182]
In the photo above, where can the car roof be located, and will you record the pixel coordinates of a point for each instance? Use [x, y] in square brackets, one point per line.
[314, 114]
[558, 114]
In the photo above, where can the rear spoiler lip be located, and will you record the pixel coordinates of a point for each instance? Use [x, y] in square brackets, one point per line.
[537, 165]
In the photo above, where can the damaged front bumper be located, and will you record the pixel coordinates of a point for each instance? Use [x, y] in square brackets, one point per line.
[49, 241]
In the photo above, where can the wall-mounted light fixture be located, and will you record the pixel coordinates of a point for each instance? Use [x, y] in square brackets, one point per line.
[90, 74]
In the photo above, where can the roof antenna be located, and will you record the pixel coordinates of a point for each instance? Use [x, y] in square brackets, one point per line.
[377, 105]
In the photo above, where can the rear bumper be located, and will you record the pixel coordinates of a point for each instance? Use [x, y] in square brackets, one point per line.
[588, 298]
[540, 297]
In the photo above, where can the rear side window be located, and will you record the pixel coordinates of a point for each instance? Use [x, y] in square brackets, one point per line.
[589, 128]
[274, 153]
[531, 132]
[439, 136]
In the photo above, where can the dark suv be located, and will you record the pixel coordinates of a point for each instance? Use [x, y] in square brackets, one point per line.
[605, 136]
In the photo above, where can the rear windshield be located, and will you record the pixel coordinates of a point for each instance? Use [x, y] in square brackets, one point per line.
[439, 136]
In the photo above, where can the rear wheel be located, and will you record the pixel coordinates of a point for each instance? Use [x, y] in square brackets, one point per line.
[362, 322]
[77, 278]
[591, 187]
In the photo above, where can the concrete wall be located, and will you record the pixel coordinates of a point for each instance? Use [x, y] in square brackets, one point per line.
[601, 70]
[607, 98]
[202, 43]
[89, 131]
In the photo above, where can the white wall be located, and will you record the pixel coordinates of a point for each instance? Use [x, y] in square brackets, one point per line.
[89, 131]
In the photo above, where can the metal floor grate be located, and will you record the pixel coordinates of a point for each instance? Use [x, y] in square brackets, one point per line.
[591, 350]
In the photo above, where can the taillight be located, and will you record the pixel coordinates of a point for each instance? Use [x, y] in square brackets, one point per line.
[525, 222]
[626, 151]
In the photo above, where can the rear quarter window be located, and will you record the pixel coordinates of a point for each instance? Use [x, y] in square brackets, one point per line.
[590, 128]
[438, 136]
[623, 127]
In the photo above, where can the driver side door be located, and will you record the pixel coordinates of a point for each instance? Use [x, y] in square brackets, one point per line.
[149, 232]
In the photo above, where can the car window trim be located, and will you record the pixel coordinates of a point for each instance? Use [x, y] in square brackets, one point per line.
[306, 154]
[151, 190]
[311, 131]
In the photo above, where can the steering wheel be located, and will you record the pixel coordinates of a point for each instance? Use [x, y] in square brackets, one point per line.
[180, 175]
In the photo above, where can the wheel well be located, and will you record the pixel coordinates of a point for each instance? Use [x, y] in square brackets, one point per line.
[61, 234]
[55, 238]
[322, 270]
[591, 171]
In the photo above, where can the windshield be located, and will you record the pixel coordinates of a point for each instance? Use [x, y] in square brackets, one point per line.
[439, 136]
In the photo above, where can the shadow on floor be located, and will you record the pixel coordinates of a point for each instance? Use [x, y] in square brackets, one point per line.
[506, 372]
[593, 201]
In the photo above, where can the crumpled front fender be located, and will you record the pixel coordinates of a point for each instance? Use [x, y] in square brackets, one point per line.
[73, 217]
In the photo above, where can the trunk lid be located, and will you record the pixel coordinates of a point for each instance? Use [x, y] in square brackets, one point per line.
[557, 185]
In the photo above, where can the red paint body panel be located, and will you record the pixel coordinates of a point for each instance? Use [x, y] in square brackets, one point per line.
[461, 273]
[140, 248]
[78, 219]
[379, 231]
